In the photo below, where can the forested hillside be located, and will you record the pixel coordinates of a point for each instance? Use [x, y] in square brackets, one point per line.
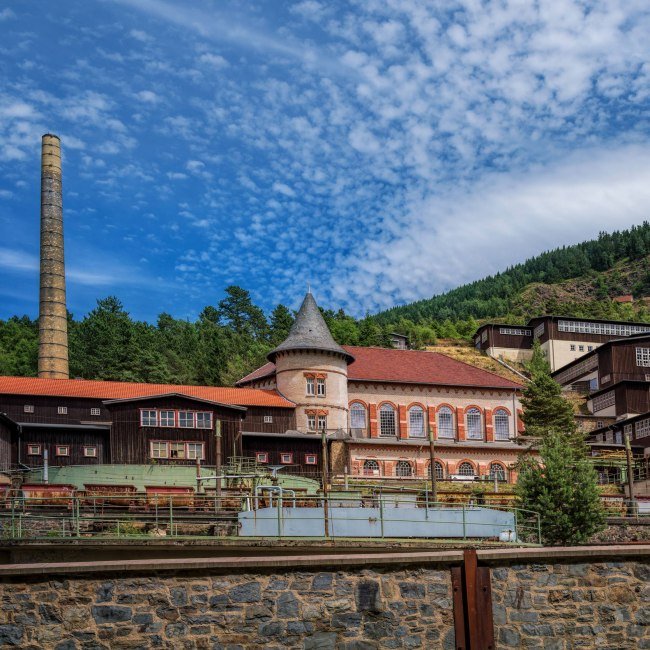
[500, 295]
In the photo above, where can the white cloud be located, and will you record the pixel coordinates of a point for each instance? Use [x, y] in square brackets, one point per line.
[213, 60]
[6, 14]
[147, 97]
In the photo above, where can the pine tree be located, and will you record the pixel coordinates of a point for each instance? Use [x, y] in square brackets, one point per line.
[545, 409]
[562, 487]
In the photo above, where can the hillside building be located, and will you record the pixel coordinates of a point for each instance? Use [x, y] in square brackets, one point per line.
[378, 405]
[563, 339]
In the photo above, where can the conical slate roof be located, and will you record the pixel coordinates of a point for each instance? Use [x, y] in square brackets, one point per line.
[310, 332]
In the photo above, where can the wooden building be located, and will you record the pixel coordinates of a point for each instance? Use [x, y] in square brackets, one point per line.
[94, 422]
[615, 377]
[563, 339]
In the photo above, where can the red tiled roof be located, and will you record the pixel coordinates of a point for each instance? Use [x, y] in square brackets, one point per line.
[410, 367]
[124, 390]
[419, 367]
[263, 371]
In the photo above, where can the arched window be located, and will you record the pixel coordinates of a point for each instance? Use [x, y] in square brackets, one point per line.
[440, 470]
[370, 468]
[403, 468]
[416, 422]
[497, 471]
[387, 426]
[466, 469]
[358, 416]
[501, 425]
[474, 428]
[445, 423]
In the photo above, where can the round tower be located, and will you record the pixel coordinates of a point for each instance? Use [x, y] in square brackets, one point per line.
[312, 371]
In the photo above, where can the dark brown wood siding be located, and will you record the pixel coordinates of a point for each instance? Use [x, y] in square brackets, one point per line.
[276, 445]
[624, 362]
[46, 409]
[632, 398]
[5, 446]
[50, 439]
[281, 419]
[130, 442]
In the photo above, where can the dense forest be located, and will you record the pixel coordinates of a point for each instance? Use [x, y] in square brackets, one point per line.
[232, 338]
[498, 296]
[222, 345]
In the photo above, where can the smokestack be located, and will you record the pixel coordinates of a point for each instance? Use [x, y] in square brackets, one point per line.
[52, 317]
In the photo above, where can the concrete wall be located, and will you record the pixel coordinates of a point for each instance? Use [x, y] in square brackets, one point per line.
[542, 598]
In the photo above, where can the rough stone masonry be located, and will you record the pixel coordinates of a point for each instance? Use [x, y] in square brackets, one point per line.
[561, 602]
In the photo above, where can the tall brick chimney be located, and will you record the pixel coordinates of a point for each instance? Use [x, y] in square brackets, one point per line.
[52, 317]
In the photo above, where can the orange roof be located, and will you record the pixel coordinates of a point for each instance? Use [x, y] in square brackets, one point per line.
[409, 367]
[123, 390]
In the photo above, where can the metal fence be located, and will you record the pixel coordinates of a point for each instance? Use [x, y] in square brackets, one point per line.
[274, 512]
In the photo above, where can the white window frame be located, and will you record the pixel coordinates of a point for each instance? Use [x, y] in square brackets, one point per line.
[38, 452]
[203, 420]
[357, 416]
[268, 419]
[310, 387]
[643, 357]
[191, 450]
[185, 426]
[322, 423]
[262, 457]
[474, 433]
[501, 469]
[28, 408]
[157, 446]
[163, 418]
[371, 467]
[463, 471]
[401, 471]
[88, 453]
[501, 424]
[387, 427]
[286, 458]
[444, 432]
[62, 410]
[181, 446]
[311, 422]
[642, 429]
[95, 411]
[320, 387]
[514, 331]
[439, 470]
[311, 459]
[145, 420]
[416, 423]
[57, 451]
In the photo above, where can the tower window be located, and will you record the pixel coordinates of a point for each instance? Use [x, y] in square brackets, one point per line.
[320, 387]
[310, 388]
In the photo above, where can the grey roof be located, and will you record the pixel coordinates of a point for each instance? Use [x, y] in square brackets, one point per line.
[310, 332]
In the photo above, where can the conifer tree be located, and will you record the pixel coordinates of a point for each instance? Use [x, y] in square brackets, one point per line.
[545, 409]
[562, 488]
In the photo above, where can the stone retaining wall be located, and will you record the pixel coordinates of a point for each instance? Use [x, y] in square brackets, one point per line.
[542, 598]
[558, 606]
[351, 610]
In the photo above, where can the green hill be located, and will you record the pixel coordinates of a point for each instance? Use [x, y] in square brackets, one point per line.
[579, 280]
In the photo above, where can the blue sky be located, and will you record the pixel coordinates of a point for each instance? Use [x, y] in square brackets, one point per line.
[383, 151]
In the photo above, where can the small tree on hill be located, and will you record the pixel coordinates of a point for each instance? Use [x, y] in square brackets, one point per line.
[562, 487]
[545, 409]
